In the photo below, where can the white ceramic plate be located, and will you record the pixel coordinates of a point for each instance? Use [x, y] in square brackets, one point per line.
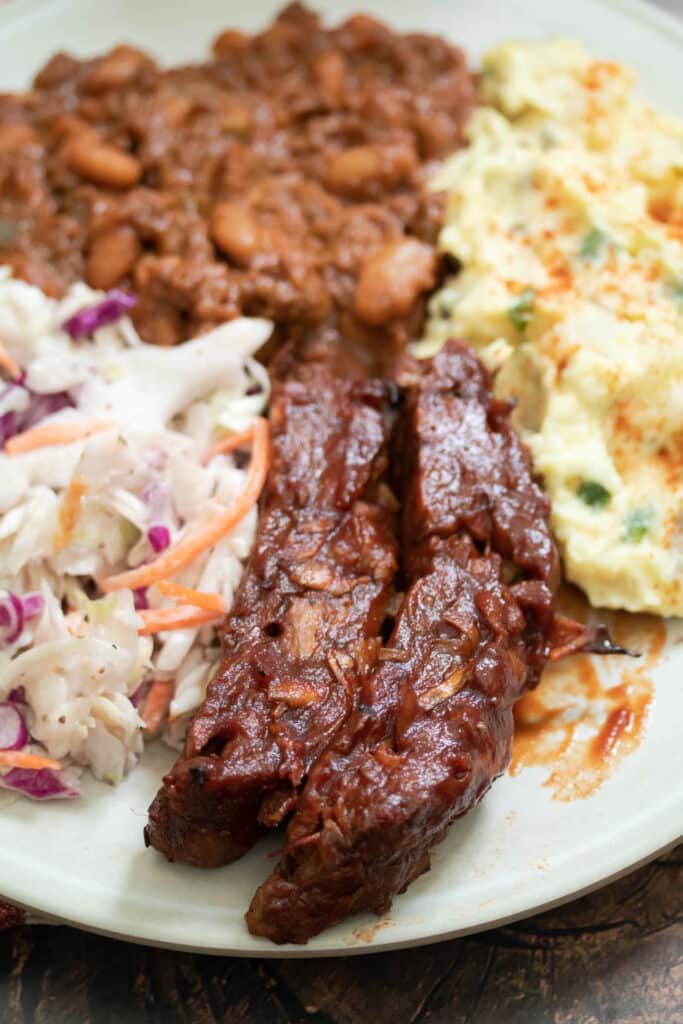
[521, 850]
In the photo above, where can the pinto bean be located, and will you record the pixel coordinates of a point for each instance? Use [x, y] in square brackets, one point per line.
[392, 278]
[159, 322]
[236, 119]
[330, 73]
[57, 70]
[166, 327]
[229, 42]
[175, 108]
[118, 68]
[436, 135]
[67, 127]
[112, 255]
[356, 170]
[365, 30]
[353, 168]
[16, 135]
[101, 163]
[235, 231]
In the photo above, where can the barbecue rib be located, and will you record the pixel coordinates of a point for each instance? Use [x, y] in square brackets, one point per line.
[303, 627]
[434, 724]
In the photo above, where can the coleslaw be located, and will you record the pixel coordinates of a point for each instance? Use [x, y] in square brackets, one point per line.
[110, 456]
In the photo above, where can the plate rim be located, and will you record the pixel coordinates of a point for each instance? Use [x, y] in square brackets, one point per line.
[614, 867]
[360, 948]
[639, 10]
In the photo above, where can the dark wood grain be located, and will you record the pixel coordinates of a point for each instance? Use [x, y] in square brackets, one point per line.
[614, 957]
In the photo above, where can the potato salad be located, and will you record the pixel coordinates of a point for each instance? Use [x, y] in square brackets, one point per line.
[566, 215]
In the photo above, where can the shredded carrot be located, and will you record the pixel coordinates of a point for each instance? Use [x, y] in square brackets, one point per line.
[74, 623]
[69, 511]
[9, 364]
[156, 705]
[52, 434]
[229, 443]
[189, 547]
[161, 620]
[197, 598]
[15, 759]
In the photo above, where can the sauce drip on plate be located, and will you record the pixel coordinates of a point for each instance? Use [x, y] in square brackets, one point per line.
[586, 716]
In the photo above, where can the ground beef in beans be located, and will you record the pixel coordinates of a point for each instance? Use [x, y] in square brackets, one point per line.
[282, 178]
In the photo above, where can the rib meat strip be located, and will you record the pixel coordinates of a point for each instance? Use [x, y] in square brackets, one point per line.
[303, 627]
[434, 724]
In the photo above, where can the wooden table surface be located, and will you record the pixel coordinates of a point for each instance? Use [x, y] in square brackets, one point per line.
[614, 957]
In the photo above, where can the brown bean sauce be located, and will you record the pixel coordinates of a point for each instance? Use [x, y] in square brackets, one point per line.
[265, 181]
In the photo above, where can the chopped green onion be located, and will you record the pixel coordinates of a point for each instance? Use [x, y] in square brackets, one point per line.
[8, 231]
[594, 494]
[677, 292]
[548, 138]
[444, 302]
[592, 243]
[129, 533]
[522, 311]
[638, 523]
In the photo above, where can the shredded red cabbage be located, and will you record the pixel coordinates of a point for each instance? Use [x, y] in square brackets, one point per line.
[42, 406]
[14, 734]
[39, 407]
[159, 537]
[15, 611]
[11, 617]
[110, 309]
[136, 698]
[140, 602]
[157, 495]
[8, 426]
[43, 784]
[33, 605]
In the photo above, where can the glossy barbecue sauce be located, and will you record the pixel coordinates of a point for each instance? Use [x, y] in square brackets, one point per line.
[587, 715]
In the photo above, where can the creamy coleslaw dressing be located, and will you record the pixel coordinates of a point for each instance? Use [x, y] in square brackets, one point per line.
[72, 514]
